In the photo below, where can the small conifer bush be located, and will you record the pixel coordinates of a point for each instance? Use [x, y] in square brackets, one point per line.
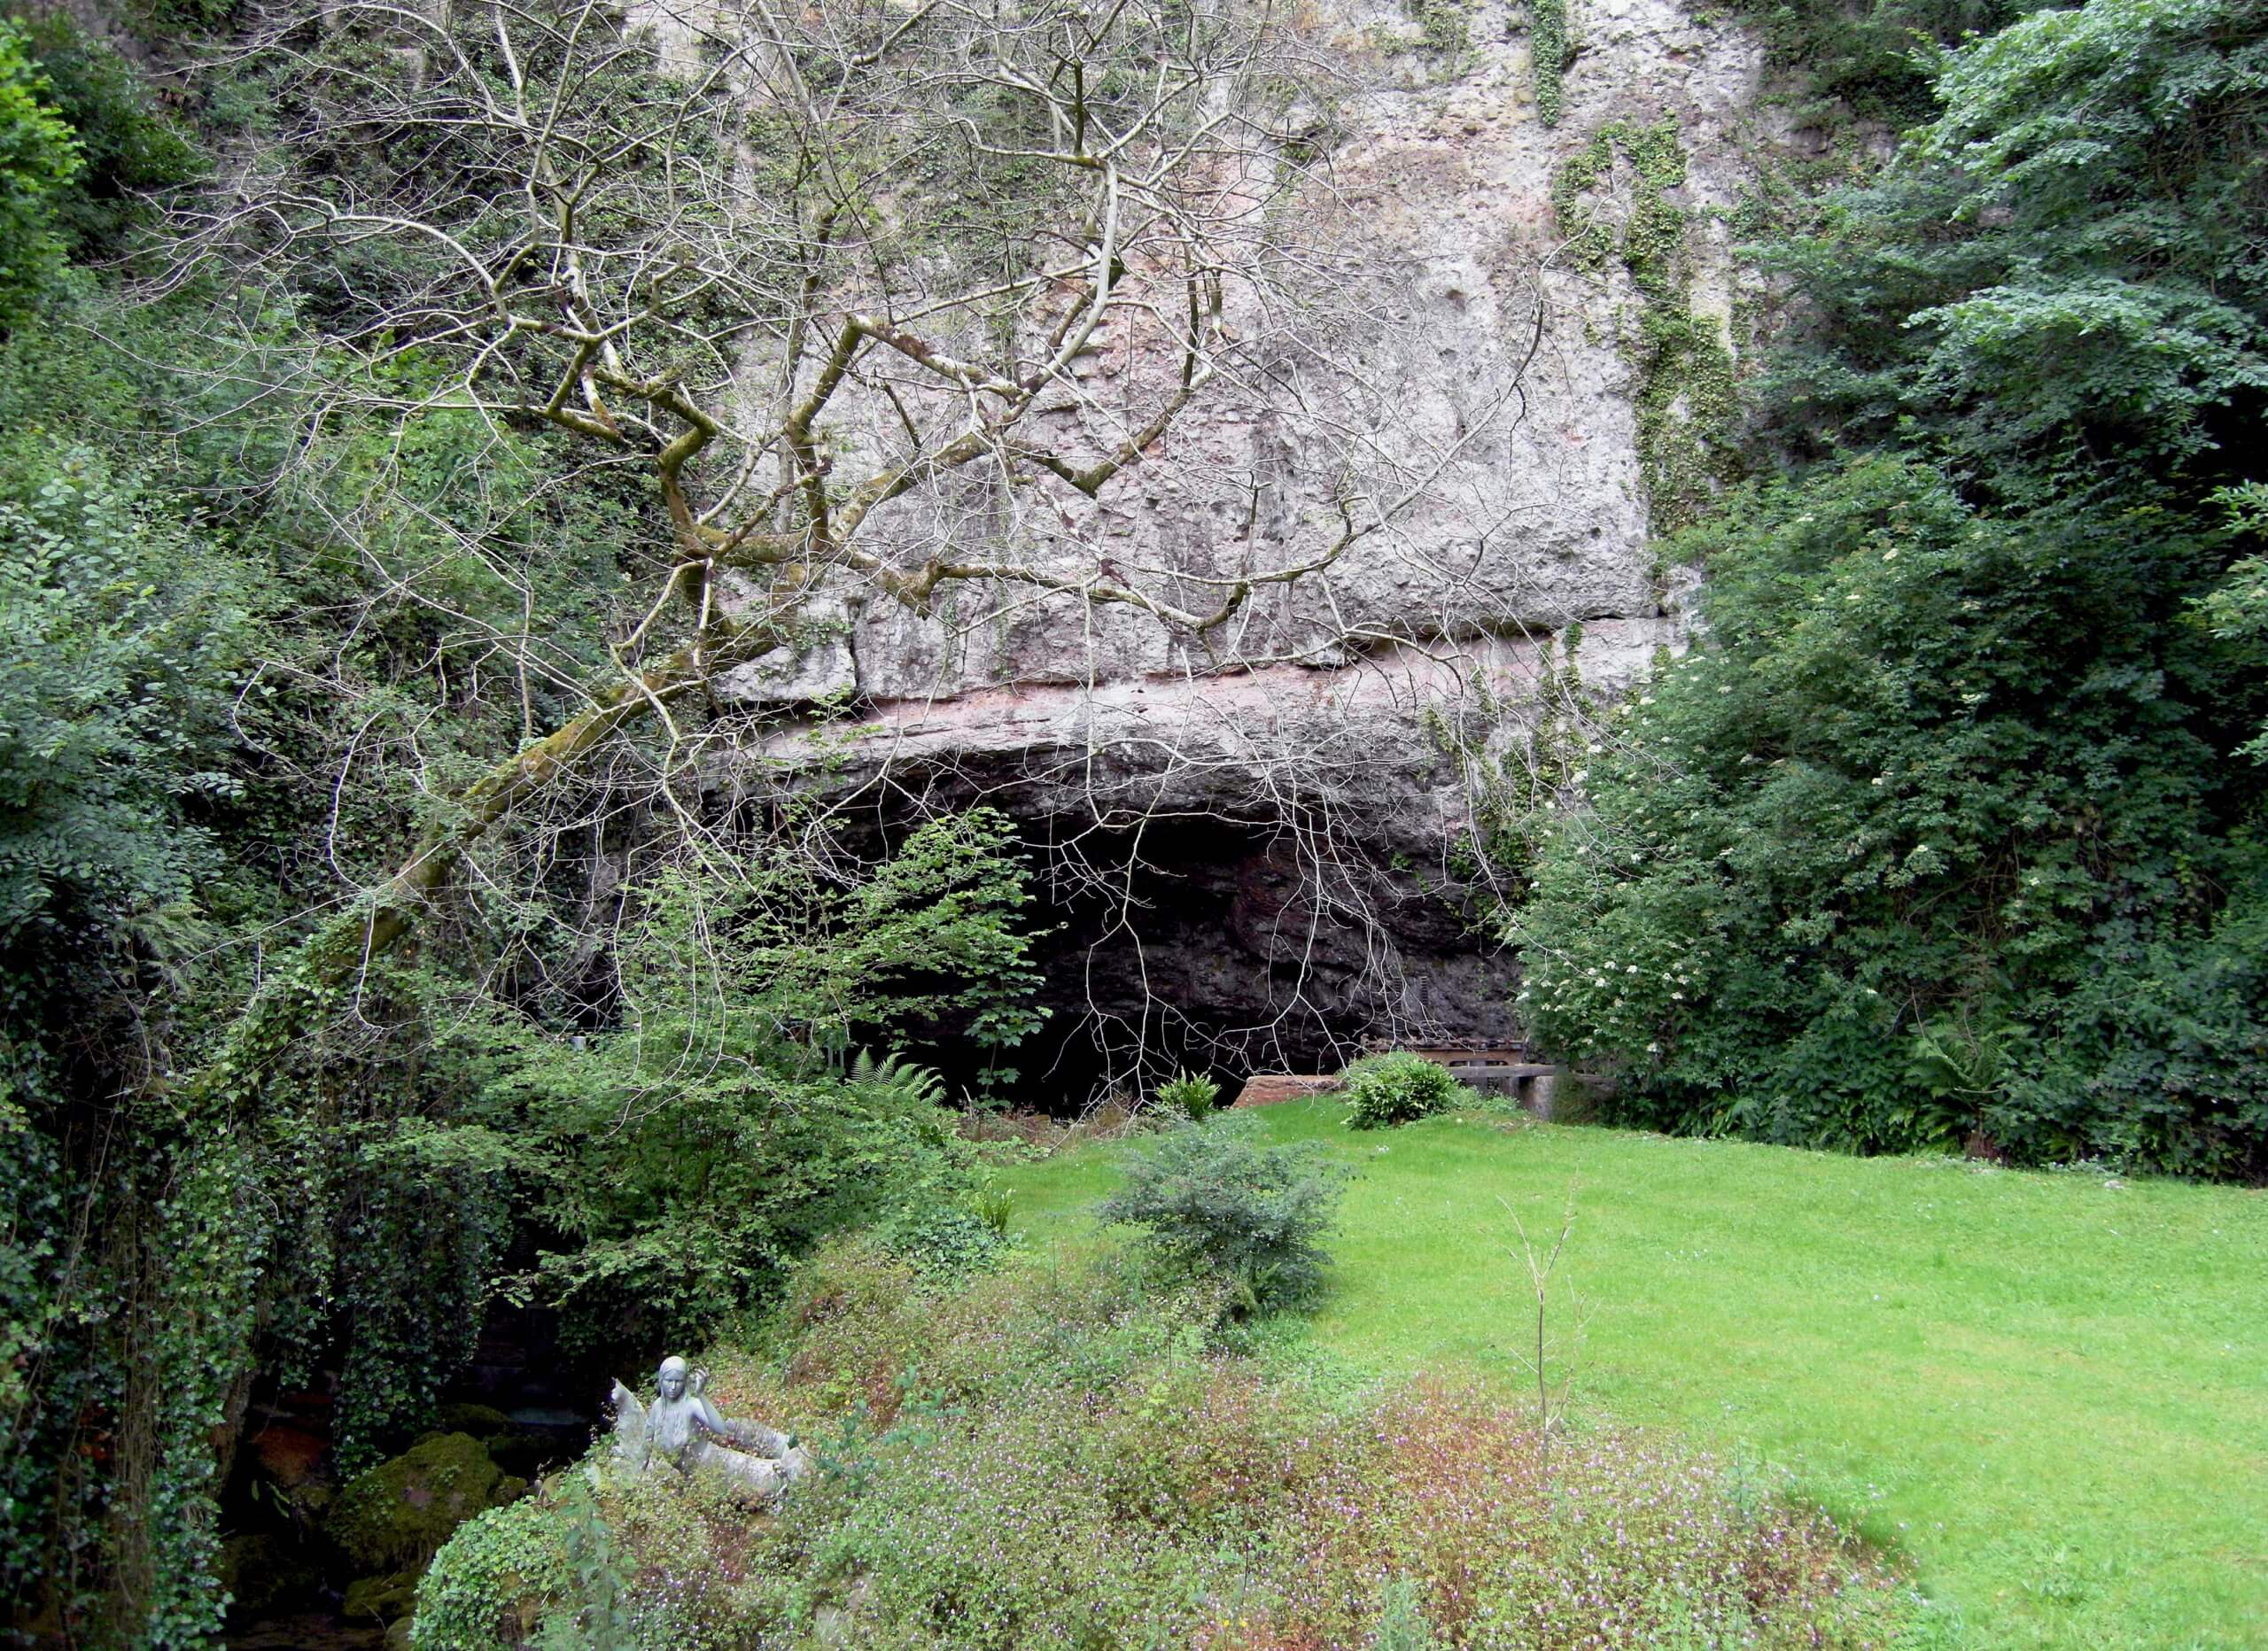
[1217, 1202]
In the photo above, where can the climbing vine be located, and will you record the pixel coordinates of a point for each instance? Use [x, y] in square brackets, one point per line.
[1513, 790]
[1686, 400]
[1550, 54]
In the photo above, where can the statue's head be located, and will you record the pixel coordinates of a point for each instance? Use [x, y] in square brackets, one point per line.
[672, 1378]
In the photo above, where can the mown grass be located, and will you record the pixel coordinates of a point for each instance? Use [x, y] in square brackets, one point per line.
[2049, 1392]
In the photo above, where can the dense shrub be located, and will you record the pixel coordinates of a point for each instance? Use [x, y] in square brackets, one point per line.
[1217, 1202]
[2042, 291]
[1396, 1088]
[944, 1241]
[127, 148]
[1066, 1465]
[1938, 775]
[1872, 55]
[1948, 830]
[126, 635]
[38, 160]
[487, 1591]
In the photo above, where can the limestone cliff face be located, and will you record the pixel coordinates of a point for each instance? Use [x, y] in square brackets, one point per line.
[1484, 369]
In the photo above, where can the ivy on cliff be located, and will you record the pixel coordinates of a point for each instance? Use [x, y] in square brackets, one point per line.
[1686, 400]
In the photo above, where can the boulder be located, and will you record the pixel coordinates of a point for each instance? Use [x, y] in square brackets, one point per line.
[398, 1514]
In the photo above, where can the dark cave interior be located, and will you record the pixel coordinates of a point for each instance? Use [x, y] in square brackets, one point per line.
[1227, 949]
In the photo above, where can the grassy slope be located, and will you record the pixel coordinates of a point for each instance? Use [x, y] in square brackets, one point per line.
[2051, 1392]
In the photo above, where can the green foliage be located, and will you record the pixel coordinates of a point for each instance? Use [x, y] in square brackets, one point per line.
[684, 1163]
[1397, 1088]
[993, 1204]
[1961, 1068]
[1945, 791]
[127, 147]
[1931, 763]
[895, 1077]
[1550, 54]
[1402, 1624]
[2045, 283]
[240, 704]
[486, 1590]
[1193, 1094]
[929, 931]
[1444, 27]
[1873, 57]
[2236, 612]
[1686, 400]
[1217, 1203]
[944, 1242]
[125, 638]
[125, 632]
[38, 160]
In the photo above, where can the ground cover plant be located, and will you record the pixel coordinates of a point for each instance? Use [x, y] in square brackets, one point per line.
[1055, 1455]
[2049, 1390]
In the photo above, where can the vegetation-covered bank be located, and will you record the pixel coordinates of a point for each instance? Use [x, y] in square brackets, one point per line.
[2048, 1391]
[413, 421]
[1064, 1453]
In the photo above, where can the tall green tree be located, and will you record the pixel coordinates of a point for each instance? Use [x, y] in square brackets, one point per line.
[1941, 833]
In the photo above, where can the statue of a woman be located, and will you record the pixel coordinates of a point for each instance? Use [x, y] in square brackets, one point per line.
[682, 1430]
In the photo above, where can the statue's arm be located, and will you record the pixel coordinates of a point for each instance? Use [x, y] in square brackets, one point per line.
[749, 1436]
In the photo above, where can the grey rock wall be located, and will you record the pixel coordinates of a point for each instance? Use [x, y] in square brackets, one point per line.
[1468, 351]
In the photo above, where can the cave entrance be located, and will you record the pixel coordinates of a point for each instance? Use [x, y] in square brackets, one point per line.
[1228, 949]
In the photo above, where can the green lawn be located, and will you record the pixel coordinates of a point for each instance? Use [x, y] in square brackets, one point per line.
[2049, 1392]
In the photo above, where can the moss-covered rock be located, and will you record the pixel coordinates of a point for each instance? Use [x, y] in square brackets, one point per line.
[483, 1422]
[514, 1449]
[400, 1512]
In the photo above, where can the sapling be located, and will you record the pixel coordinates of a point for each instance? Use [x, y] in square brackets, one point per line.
[1551, 1393]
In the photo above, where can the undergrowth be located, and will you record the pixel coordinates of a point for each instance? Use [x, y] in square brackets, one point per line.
[1062, 1453]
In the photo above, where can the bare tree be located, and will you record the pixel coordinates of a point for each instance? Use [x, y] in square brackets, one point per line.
[828, 279]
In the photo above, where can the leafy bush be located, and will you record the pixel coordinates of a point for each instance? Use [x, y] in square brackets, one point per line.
[943, 1242]
[1396, 1088]
[1873, 55]
[1947, 825]
[1933, 768]
[486, 1590]
[1192, 1094]
[127, 147]
[1218, 1203]
[125, 636]
[2039, 290]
